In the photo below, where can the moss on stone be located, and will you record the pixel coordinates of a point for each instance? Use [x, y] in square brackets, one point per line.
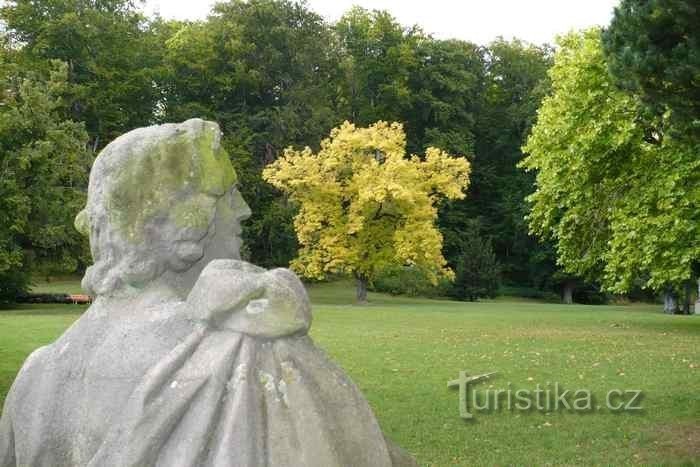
[196, 212]
[82, 223]
[216, 170]
[171, 180]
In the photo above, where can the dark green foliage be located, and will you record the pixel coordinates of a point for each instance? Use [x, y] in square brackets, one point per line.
[395, 73]
[112, 57]
[44, 175]
[590, 295]
[477, 270]
[529, 292]
[267, 72]
[411, 282]
[653, 50]
[514, 82]
[378, 56]
[474, 101]
[446, 86]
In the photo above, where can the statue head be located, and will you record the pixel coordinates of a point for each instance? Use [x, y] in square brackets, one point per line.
[162, 203]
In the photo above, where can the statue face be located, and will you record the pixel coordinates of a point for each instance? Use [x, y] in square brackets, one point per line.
[231, 210]
[223, 238]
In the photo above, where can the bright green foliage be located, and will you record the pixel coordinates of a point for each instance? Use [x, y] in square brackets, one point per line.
[657, 227]
[619, 208]
[44, 175]
[653, 50]
[364, 206]
[273, 73]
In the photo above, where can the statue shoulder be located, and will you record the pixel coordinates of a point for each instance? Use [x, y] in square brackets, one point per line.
[242, 297]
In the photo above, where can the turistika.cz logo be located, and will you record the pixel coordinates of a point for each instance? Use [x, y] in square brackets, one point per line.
[551, 397]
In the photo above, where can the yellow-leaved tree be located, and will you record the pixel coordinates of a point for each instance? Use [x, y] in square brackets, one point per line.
[364, 205]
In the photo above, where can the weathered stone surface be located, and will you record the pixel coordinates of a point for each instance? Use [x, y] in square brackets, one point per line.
[188, 356]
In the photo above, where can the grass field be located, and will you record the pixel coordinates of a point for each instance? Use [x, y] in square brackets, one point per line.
[402, 352]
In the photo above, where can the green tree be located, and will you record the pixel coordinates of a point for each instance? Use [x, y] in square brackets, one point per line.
[514, 81]
[391, 72]
[44, 165]
[267, 71]
[446, 84]
[477, 274]
[653, 50]
[112, 56]
[365, 206]
[620, 209]
[377, 58]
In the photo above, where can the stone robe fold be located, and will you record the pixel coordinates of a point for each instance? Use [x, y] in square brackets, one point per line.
[199, 392]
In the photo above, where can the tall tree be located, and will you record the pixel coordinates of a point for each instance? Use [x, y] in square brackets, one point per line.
[43, 177]
[365, 206]
[446, 82]
[266, 70]
[513, 84]
[392, 72]
[377, 58]
[620, 208]
[112, 58]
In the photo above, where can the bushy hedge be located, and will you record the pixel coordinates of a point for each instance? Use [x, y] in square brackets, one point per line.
[405, 280]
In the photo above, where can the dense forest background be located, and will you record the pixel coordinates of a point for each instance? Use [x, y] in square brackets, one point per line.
[78, 73]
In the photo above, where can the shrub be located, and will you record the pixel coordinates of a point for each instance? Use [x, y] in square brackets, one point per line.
[477, 272]
[410, 281]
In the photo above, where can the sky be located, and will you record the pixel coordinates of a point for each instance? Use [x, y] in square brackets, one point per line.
[479, 21]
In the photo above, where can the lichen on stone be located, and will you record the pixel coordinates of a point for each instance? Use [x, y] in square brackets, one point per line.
[196, 212]
[217, 173]
[177, 178]
[82, 223]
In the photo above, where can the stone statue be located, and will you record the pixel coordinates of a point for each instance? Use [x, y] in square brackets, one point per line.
[188, 355]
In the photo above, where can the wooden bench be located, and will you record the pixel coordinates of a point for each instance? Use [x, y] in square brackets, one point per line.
[79, 298]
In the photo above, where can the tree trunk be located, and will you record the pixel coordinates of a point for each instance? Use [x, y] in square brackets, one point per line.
[361, 289]
[670, 305]
[568, 293]
[697, 299]
[687, 308]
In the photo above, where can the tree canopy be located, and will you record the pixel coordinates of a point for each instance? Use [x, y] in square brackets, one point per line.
[620, 209]
[273, 73]
[42, 181]
[266, 71]
[653, 50]
[365, 206]
[111, 56]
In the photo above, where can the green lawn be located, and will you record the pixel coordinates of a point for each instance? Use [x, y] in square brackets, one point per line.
[61, 285]
[402, 352]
